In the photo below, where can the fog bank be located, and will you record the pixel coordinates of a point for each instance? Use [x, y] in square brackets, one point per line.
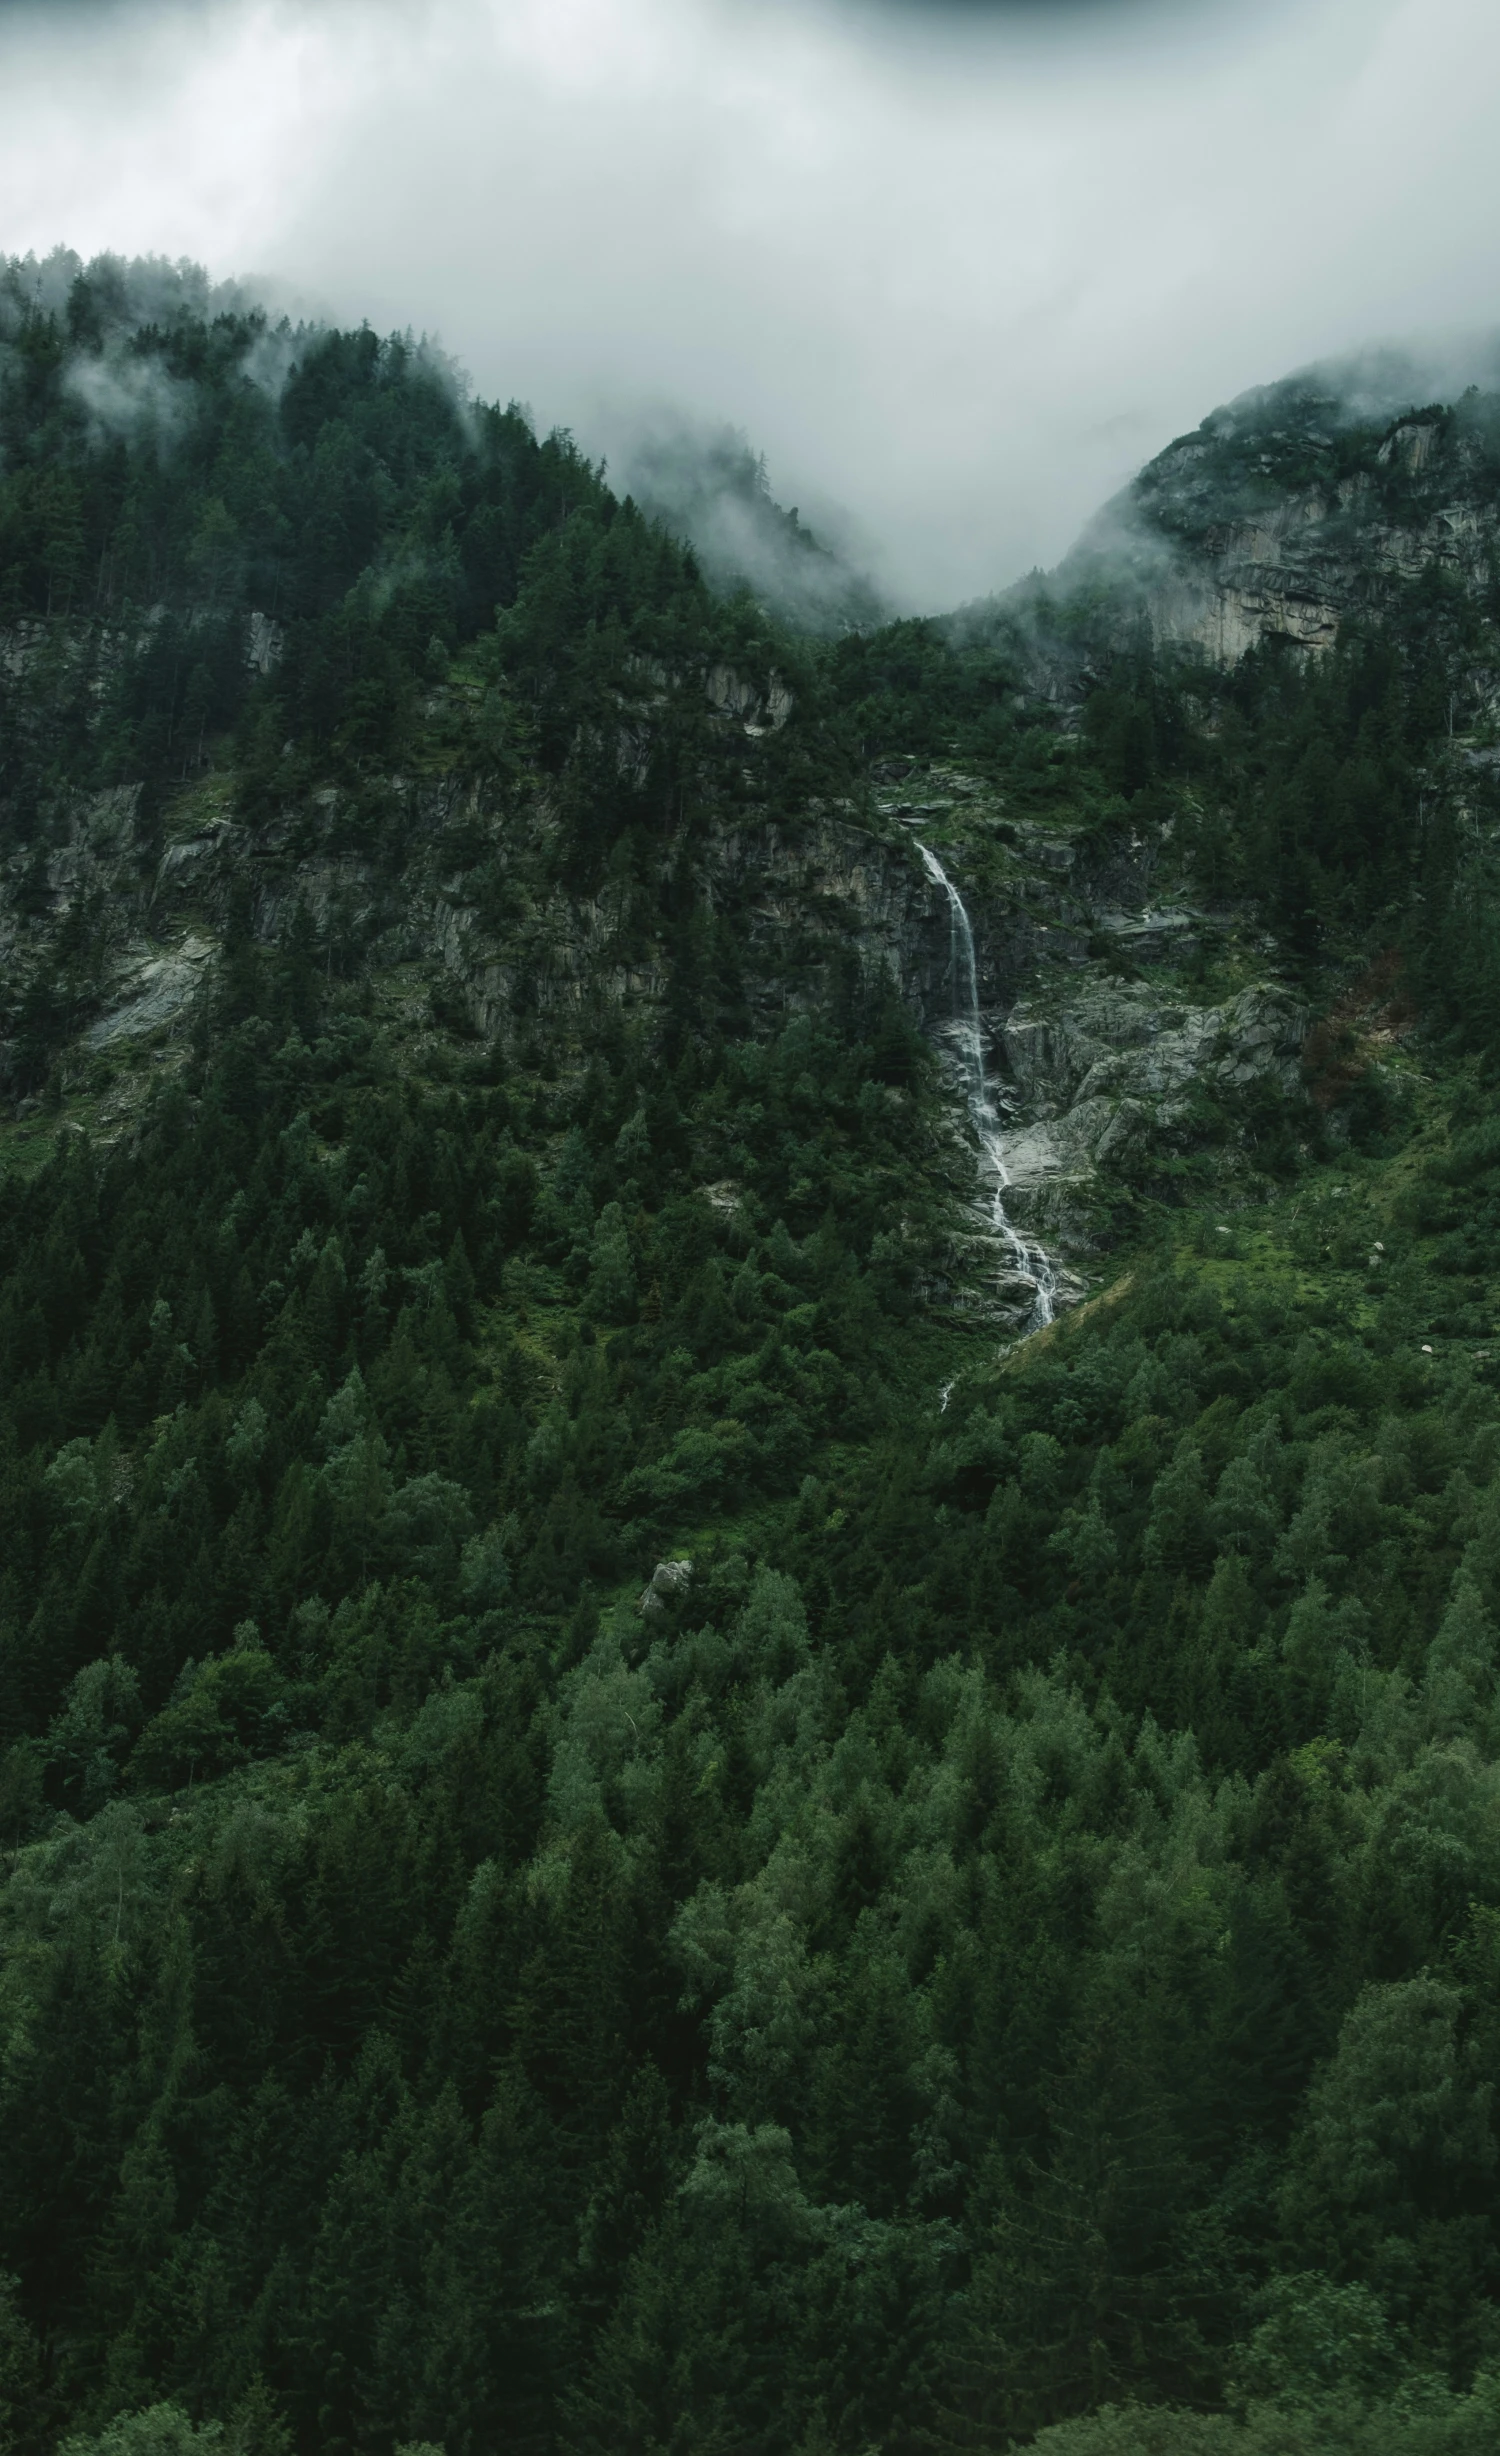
[955, 270]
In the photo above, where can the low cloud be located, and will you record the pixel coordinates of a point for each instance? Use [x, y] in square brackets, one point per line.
[129, 396]
[958, 271]
[707, 483]
[125, 292]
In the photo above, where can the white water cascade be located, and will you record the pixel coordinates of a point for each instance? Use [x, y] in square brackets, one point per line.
[1031, 1262]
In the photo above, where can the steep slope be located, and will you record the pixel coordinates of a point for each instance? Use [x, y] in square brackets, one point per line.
[628, 1825]
[1294, 512]
[710, 489]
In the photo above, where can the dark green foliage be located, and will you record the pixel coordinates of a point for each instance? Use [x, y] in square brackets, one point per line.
[1011, 1942]
[853, 1996]
[213, 529]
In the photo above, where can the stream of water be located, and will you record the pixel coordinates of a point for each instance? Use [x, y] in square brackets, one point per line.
[1029, 1260]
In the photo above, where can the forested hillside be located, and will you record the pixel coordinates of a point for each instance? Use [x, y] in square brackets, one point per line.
[627, 1825]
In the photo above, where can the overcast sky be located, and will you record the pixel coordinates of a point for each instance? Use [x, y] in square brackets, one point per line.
[958, 271]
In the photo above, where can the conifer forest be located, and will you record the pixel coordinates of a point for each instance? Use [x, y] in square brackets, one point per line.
[749, 1442]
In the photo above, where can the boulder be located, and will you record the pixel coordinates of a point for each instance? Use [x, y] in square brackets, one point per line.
[668, 1578]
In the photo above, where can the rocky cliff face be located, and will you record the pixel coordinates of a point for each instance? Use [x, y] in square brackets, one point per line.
[1287, 513]
[1105, 1068]
[468, 933]
[1118, 1021]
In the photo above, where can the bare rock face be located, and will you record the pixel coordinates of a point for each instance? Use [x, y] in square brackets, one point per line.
[667, 1579]
[1293, 509]
[1297, 574]
[153, 989]
[1103, 1038]
[1105, 1066]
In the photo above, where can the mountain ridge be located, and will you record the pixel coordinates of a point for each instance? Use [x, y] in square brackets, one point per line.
[628, 1824]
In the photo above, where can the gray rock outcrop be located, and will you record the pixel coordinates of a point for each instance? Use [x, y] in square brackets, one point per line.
[1104, 1066]
[152, 990]
[667, 1579]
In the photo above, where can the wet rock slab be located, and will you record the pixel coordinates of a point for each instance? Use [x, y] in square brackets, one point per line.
[156, 990]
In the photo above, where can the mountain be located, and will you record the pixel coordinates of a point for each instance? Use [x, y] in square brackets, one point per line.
[749, 1442]
[1299, 509]
[710, 489]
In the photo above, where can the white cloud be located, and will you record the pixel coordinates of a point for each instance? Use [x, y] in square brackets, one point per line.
[125, 396]
[957, 275]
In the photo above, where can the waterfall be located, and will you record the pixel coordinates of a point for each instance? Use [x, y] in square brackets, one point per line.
[1031, 1262]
